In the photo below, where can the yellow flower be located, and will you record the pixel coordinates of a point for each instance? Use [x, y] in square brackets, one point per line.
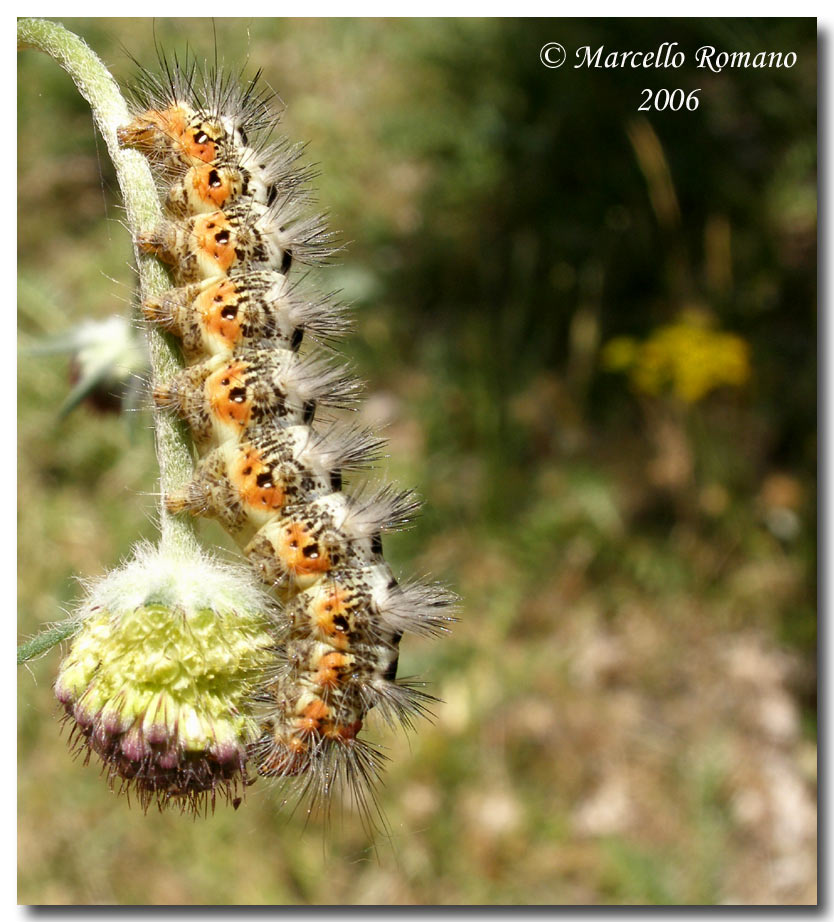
[687, 358]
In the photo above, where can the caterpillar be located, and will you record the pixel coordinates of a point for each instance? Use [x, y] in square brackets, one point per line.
[259, 404]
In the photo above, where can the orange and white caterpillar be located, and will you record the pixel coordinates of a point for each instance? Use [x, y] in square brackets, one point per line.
[271, 467]
[262, 309]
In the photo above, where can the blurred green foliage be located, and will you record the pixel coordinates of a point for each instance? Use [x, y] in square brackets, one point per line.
[637, 573]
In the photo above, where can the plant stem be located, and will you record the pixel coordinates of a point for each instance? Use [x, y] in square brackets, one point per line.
[97, 86]
[46, 640]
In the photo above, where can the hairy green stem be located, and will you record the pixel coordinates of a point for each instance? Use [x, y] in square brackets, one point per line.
[173, 446]
[97, 86]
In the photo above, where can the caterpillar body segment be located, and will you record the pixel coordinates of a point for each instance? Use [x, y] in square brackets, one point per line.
[271, 468]
[237, 484]
[177, 134]
[250, 235]
[222, 397]
[314, 712]
[228, 314]
[247, 483]
[333, 677]
[249, 176]
[342, 609]
[318, 757]
[307, 543]
[330, 533]
[367, 605]
[198, 248]
[209, 187]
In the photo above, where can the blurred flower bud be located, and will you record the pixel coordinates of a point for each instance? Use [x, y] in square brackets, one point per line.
[108, 360]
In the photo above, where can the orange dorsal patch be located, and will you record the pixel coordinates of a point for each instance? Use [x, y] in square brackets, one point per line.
[329, 670]
[214, 237]
[211, 185]
[312, 716]
[342, 732]
[196, 144]
[301, 552]
[256, 484]
[143, 130]
[221, 315]
[229, 398]
[330, 616]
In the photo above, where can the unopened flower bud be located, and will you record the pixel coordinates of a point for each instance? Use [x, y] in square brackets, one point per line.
[158, 680]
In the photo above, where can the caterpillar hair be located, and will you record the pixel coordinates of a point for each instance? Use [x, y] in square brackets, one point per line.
[383, 508]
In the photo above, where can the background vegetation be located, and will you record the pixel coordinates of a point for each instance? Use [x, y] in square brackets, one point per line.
[591, 336]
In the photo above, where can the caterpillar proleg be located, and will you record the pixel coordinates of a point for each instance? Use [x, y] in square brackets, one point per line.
[259, 394]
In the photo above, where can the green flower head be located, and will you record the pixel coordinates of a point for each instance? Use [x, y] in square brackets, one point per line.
[158, 681]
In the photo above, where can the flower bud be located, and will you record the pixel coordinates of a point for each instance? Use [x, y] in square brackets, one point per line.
[159, 678]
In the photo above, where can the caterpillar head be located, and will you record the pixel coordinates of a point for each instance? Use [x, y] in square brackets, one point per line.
[179, 134]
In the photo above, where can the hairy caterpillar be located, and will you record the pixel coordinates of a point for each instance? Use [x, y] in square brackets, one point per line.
[238, 223]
